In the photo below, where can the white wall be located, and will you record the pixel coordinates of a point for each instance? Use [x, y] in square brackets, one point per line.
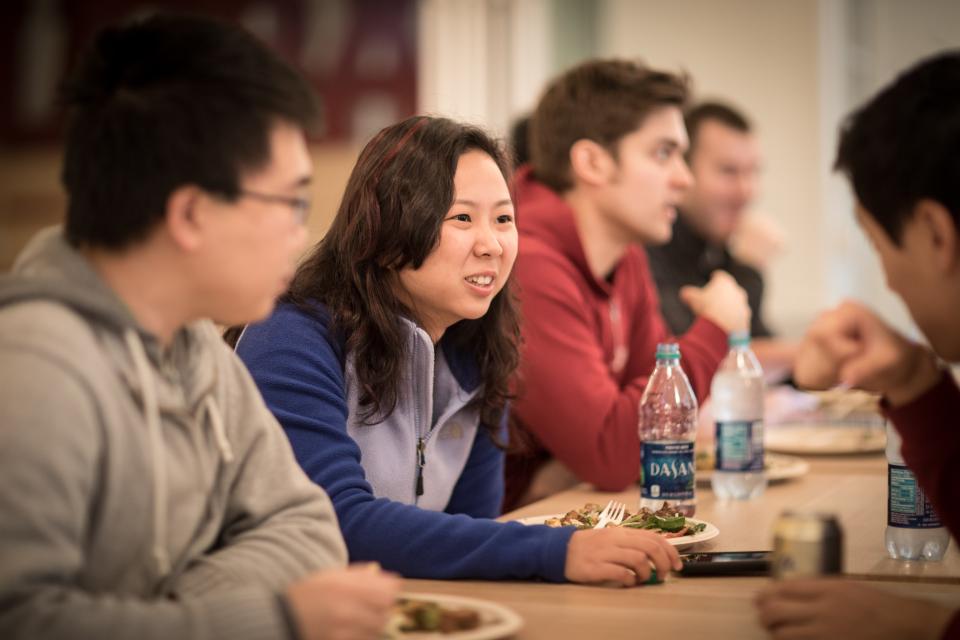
[483, 61]
[762, 56]
[795, 66]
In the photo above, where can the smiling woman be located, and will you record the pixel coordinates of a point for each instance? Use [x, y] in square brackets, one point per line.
[388, 366]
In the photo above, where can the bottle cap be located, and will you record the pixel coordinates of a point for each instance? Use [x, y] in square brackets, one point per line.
[739, 338]
[668, 351]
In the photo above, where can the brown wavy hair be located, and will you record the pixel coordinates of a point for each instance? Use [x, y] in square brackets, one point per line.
[599, 100]
[390, 217]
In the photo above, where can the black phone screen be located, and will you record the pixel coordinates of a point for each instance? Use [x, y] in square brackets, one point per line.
[726, 563]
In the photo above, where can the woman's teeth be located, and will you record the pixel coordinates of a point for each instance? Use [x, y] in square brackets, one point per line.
[480, 281]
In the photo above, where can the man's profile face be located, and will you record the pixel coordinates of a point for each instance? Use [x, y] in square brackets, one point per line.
[725, 163]
[640, 198]
[253, 245]
[908, 273]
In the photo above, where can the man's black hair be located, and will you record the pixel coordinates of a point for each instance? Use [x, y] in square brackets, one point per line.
[904, 144]
[165, 102]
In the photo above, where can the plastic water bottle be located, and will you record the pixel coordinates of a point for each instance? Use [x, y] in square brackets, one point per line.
[737, 399]
[668, 425]
[914, 531]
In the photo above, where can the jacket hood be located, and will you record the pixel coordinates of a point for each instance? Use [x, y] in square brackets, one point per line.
[545, 217]
[178, 380]
[50, 269]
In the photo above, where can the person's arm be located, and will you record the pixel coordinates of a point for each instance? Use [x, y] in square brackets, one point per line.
[852, 346]
[300, 375]
[50, 448]
[278, 525]
[776, 356]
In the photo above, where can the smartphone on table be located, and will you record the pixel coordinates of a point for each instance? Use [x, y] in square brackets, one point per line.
[726, 563]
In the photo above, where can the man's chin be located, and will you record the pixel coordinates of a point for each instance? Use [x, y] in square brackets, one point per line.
[654, 237]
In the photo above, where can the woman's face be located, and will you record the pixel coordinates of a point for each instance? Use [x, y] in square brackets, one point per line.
[475, 253]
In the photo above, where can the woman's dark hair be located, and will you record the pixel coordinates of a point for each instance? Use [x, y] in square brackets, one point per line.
[165, 102]
[390, 218]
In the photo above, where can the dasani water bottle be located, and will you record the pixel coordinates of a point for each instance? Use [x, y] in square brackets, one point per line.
[737, 399]
[914, 532]
[668, 425]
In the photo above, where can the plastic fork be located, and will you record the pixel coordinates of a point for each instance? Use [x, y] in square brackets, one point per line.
[612, 514]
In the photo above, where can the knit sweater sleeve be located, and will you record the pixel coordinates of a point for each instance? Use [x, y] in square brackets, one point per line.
[51, 454]
[931, 446]
[294, 361]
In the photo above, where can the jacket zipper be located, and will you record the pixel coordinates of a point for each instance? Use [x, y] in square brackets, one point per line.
[421, 461]
[421, 458]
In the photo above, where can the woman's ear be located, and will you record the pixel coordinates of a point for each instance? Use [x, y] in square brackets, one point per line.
[939, 233]
[183, 217]
[590, 163]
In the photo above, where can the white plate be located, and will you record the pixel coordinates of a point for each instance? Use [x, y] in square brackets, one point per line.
[496, 621]
[825, 438]
[683, 541]
[778, 467]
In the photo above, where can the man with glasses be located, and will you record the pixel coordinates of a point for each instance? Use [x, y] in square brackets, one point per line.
[899, 152]
[145, 489]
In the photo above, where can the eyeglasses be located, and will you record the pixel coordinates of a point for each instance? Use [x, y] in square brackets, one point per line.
[299, 206]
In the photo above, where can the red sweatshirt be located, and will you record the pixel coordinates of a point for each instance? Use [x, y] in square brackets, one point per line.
[589, 347]
[931, 448]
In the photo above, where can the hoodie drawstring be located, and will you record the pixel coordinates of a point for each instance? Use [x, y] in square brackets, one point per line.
[151, 412]
[219, 432]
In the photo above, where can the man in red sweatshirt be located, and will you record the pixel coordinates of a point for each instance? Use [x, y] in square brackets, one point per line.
[607, 142]
[900, 153]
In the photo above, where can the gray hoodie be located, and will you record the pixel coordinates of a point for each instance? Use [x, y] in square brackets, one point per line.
[144, 492]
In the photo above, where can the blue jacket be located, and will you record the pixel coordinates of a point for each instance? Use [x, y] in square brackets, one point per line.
[372, 472]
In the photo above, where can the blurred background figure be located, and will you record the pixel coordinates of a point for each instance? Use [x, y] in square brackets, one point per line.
[520, 140]
[725, 160]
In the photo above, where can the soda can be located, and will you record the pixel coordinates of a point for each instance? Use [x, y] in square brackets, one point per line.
[806, 544]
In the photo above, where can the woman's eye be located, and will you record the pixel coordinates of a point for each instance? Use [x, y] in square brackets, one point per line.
[663, 153]
[461, 217]
[505, 218]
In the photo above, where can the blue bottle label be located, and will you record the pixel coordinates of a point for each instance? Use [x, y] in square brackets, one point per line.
[667, 470]
[740, 445]
[907, 504]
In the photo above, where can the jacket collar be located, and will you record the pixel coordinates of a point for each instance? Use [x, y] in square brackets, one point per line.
[545, 216]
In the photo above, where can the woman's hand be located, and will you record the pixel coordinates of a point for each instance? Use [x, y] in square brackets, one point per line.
[618, 554]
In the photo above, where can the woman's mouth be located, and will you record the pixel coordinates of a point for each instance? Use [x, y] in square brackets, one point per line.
[480, 281]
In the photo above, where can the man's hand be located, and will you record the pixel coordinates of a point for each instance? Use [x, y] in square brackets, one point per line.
[852, 346]
[343, 604]
[723, 301]
[619, 555]
[830, 609]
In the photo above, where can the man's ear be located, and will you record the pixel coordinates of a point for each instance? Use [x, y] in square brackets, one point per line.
[183, 217]
[939, 233]
[591, 163]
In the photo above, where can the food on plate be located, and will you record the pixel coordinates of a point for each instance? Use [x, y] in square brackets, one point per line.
[416, 616]
[666, 521]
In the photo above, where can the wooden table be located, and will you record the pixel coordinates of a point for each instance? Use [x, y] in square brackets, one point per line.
[852, 488]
